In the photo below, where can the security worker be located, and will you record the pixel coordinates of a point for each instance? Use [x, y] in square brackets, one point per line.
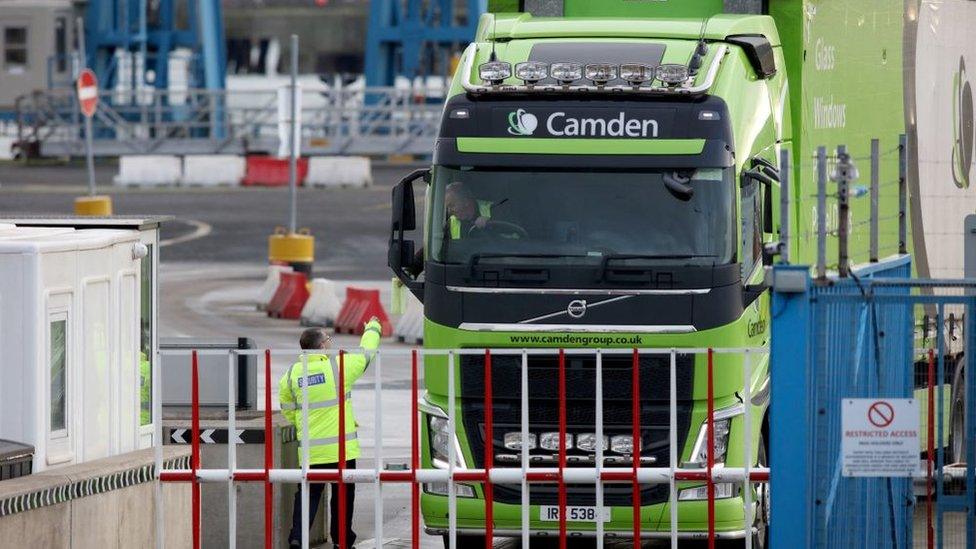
[323, 421]
[464, 212]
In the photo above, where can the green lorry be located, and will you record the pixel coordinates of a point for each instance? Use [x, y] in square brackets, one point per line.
[610, 178]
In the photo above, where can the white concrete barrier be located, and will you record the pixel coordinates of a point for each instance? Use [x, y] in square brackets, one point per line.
[323, 304]
[270, 285]
[339, 171]
[410, 327]
[149, 170]
[6, 144]
[210, 170]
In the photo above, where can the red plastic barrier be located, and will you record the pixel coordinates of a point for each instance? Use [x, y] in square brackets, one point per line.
[360, 306]
[290, 297]
[270, 171]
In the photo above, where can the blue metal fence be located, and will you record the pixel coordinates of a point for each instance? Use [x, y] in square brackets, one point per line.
[860, 337]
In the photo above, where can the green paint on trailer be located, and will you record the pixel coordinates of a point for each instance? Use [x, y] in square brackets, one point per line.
[630, 8]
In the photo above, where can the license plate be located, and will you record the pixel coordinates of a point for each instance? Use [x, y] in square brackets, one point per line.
[574, 513]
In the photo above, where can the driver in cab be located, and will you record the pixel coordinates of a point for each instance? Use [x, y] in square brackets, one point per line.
[464, 212]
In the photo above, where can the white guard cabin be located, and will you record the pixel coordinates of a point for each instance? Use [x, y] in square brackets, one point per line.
[77, 335]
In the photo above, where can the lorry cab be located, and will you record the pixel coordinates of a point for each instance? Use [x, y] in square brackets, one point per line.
[598, 183]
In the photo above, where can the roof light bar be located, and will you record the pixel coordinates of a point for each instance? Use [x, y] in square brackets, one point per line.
[672, 74]
[531, 72]
[569, 77]
[495, 72]
[566, 73]
[636, 74]
[600, 73]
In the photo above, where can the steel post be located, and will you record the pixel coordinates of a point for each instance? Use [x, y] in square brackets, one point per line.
[292, 158]
[784, 205]
[902, 194]
[89, 155]
[843, 210]
[821, 212]
[875, 222]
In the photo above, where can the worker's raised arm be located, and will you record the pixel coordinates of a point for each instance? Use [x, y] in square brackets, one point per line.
[355, 364]
[286, 398]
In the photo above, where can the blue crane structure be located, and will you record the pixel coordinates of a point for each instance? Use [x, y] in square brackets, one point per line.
[152, 35]
[410, 38]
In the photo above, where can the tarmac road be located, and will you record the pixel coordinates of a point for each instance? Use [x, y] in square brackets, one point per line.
[228, 225]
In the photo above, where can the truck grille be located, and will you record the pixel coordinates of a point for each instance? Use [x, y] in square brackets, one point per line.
[580, 415]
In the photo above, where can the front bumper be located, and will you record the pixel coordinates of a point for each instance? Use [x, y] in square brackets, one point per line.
[507, 533]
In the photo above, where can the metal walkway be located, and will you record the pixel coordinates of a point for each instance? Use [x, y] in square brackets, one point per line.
[372, 121]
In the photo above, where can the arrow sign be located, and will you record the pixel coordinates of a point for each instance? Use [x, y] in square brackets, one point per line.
[205, 436]
[176, 435]
[218, 436]
[87, 86]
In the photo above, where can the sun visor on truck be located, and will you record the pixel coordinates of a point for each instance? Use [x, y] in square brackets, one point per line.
[585, 53]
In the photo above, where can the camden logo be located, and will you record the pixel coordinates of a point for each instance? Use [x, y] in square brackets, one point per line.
[522, 123]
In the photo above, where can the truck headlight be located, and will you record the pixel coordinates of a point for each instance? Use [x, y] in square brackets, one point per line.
[495, 72]
[600, 73]
[587, 442]
[723, 490]
[441, 439]
[566, 73]
[672, 74]
[723, 423]
[550, 441]
[699, 456]
[636, 74]
[622, 444]
[513, 441]
[440, 489]
[531, 72]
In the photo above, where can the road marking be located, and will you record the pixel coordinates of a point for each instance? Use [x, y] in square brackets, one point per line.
[200, 230]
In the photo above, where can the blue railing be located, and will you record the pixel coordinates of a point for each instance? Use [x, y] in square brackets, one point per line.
[856, 337]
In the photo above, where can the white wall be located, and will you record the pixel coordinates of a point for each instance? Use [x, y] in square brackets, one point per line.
[90, 279]
[945, 36]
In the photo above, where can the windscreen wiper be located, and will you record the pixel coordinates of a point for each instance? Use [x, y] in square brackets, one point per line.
[476, 259]
[639, 271]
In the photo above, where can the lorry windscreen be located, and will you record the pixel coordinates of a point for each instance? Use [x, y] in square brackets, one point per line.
[579, 217]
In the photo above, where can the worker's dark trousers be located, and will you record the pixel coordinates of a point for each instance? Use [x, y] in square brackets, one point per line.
[314, 495]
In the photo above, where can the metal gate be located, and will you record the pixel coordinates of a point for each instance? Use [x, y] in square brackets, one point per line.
[659, 464]
[879, 335]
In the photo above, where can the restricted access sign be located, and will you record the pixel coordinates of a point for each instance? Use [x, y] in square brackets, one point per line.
[880, 437]
[87, 86]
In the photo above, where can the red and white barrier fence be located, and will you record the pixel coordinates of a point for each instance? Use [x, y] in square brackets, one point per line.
[525, 475]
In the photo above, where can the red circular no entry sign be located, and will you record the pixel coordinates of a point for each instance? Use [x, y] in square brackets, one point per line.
[87, 86]
[881, 414]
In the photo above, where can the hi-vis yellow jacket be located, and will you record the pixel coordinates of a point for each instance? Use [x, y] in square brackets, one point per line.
[323, 399]
[484, 210]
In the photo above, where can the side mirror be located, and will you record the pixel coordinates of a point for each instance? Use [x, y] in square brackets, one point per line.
[765, 174]
[404, 218]
[404, 207]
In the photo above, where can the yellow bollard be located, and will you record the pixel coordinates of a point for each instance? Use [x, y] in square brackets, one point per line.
[295, 249]
[93, 206]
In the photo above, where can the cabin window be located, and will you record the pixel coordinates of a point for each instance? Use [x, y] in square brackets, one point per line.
[59, 372]
[146, 338]
[751, 227]
[61, 44]
[15, 49]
